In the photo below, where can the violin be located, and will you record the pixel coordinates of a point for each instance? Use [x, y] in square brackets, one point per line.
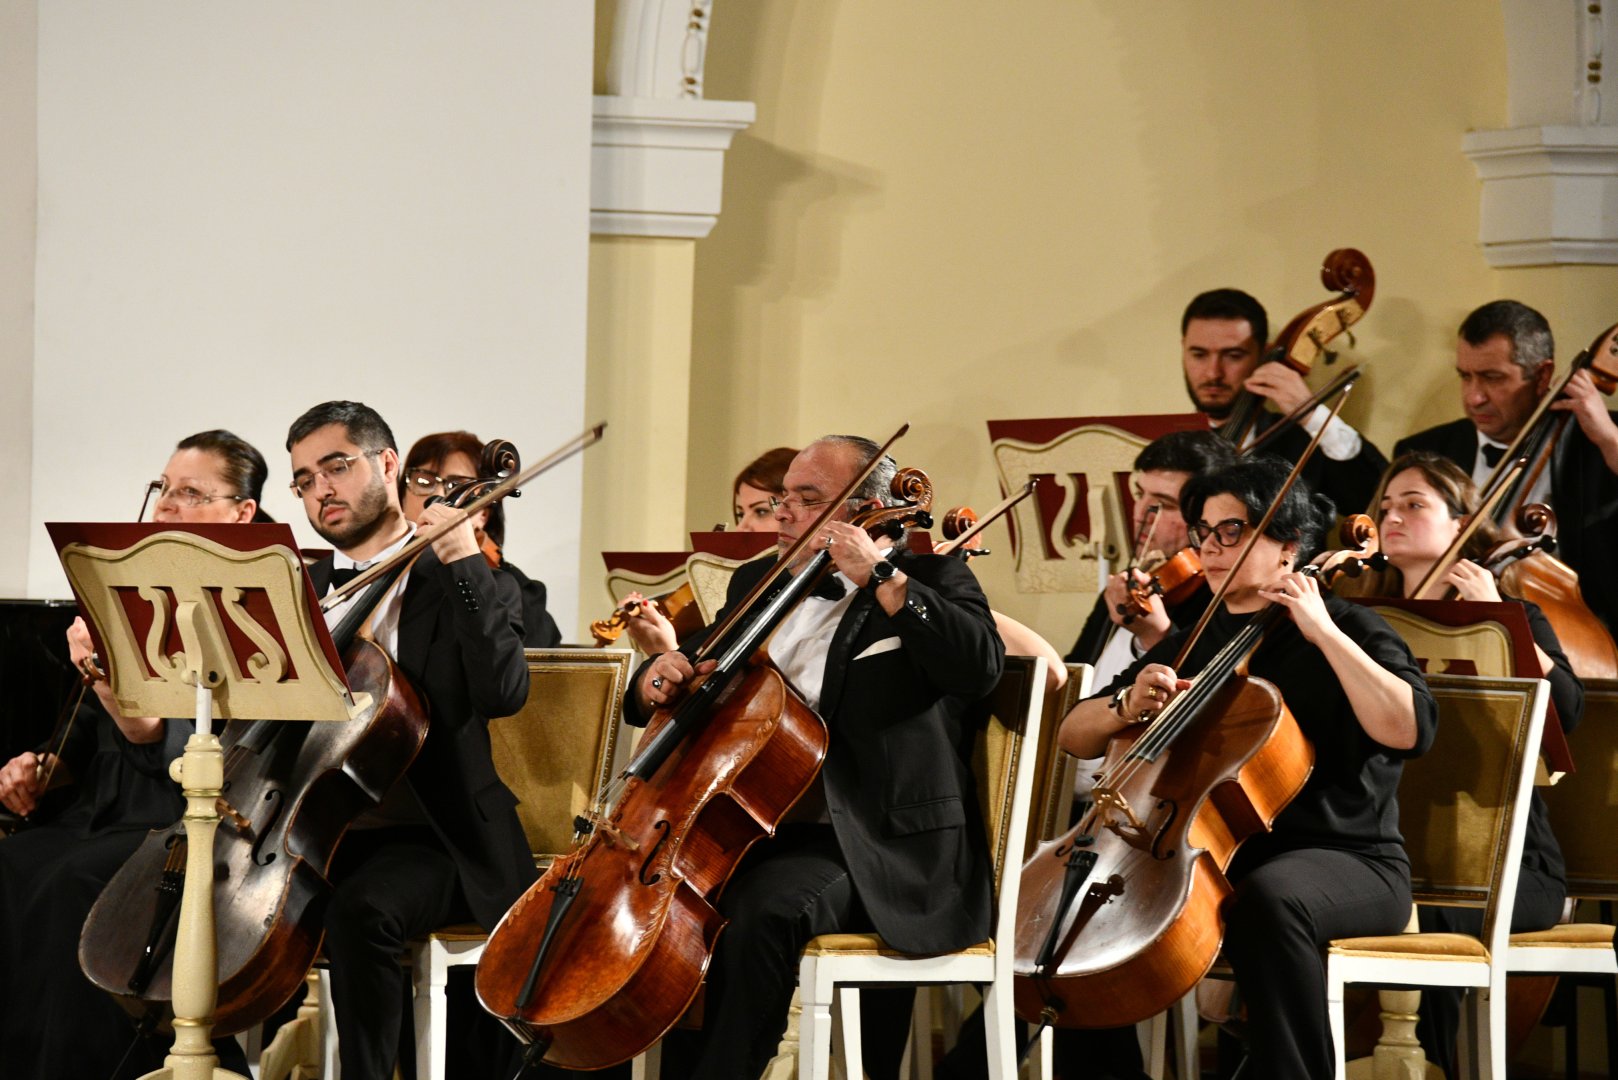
[1306, 339]
[1175, 579]
[962, 523]
[678, 606]
[606, 951]
[289, 795]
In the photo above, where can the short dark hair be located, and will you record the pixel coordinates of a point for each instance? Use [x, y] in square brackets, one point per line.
[365, 426]
[1193, 452]
[1302, 518]
[431, 451]
[1229, 304]
[240, 463]
[1525, 328]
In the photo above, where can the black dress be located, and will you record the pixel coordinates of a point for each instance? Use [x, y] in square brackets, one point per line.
[53, 1021]
[1334, 865]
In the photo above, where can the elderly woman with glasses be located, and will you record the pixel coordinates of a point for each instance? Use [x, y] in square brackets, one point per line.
[113, 773]
[438, 465]
[1334, 864]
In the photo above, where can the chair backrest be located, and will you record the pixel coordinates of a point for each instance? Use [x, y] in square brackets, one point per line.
[1003, 761]
[1584, 806]
[1486, 647]
[1463, 806]
[1054, 767]
[710, 576]
[557, 753]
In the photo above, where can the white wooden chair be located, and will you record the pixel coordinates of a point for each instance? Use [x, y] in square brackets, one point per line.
[1463, 809]
[556, 754]
[1583, 808]
[835, 966]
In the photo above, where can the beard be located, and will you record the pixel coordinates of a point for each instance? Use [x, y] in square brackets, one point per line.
[1217, 412]
[367, 515]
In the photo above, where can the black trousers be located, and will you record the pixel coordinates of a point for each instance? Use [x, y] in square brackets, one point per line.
[787, 890]
[1286, 908]
[391, 885]
[1538, 907]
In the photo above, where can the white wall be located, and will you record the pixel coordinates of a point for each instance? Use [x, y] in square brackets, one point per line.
[248, 209]
[17, 160]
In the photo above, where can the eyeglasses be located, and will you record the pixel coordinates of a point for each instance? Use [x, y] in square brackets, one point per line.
[426, 483]
[334, 470]
[1228, 532]
[795, 504]
[185, 495]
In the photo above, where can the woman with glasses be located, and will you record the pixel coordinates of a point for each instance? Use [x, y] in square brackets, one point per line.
[1425, 502]
[439, 465]
[1334, 864]
[53, 1021]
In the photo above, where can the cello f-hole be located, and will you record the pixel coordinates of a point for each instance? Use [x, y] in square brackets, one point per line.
[277, 800]
[1162, 833]
[662, 828]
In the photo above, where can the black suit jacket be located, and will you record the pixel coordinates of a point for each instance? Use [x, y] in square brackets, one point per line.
[1584, 494]
[897, 775]
[1350, 484]
[461, 646]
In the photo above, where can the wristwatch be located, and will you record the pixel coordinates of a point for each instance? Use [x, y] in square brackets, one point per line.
[882, 571]
[1117, 702]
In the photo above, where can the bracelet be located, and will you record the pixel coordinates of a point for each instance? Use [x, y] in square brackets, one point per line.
[1117, 702]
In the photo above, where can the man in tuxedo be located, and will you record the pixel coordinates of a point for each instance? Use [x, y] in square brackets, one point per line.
[1223, 333]
[1505, 356]
[444, 844]
[890, 836]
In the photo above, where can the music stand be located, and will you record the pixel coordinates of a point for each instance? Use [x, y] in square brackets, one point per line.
[220, 621]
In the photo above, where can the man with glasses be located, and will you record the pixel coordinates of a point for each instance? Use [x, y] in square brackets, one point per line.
[444, 844]
[891, 653]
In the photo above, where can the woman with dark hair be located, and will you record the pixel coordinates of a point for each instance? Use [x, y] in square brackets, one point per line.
[1334, 864]
[53, 1021]
[1425, 502]
[438, 465]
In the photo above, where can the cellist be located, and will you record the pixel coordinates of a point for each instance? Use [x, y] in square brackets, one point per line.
[889, 838]
[1334, 864]
[445, 844]
[1505, 357]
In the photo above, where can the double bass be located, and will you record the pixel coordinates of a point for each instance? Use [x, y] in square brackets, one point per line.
[290, 792]
[607, 950]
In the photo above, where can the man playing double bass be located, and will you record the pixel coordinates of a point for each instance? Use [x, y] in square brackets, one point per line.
[445, 844]
[1504, 355]
[889, 837]
[1223, 333]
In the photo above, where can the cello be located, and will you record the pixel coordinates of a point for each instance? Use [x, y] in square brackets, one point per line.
[604, 954]
[290, 793]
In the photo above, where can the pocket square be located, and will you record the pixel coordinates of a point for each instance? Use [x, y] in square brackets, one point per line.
[887, 644]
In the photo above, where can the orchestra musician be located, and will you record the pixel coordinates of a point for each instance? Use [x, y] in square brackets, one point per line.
[1334, 864]
[1222, 337]
[444, 845]
[889, 838]
[1505, 356]
[436, 466]
[53, 1021]
[1425, 503]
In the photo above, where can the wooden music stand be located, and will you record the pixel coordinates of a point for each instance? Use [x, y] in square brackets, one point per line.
[220, 621]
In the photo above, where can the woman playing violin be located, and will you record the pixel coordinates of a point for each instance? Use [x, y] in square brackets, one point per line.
[1425, 503]
[441, 464]
[1334, 864]
[53, 1021]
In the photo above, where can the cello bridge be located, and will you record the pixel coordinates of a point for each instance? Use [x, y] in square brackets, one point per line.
[613, 834]
[1112, 804]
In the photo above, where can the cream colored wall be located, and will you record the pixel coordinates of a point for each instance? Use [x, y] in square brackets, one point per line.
[949, 212]
[18, 197]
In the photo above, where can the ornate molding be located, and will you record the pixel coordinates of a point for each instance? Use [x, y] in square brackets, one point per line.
[657, 161]
[1550, 181]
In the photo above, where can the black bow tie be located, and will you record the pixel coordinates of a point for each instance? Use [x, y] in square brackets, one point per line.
[829, 588]
[339, 578]
[1493, 454]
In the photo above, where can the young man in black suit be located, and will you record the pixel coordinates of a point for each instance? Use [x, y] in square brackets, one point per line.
[1223, 334]
[1505, 356]
[444, 844]
[890, 837]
